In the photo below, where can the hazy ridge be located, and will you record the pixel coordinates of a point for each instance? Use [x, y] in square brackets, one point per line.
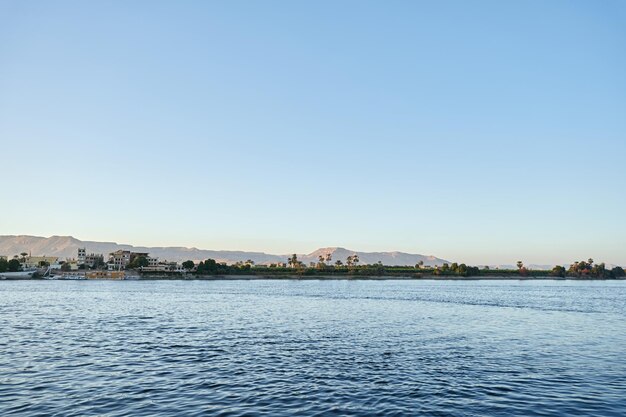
[66, 246]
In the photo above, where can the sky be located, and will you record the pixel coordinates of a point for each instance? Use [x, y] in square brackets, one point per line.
[480, 132]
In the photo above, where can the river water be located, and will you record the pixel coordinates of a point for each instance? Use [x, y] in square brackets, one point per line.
[269, 347]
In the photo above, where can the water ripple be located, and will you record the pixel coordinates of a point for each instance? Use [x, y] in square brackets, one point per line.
[314, 348]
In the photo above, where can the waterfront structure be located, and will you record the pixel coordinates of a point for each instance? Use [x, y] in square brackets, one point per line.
[164, 266]
[82, 254]
[115, 275]
[134, 255]
[37, 261]
[72, 264]
[94, 259]
[89, 260]
[120, 259]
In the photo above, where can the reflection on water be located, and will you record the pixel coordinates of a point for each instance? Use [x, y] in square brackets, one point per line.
[313, 348]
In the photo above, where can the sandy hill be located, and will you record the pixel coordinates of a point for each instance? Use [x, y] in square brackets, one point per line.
[66, 246]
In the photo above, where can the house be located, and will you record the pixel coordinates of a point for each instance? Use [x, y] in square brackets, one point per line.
[120, 259]
[82, 254]
[164, 266]
[72, 264]
[90, 260]
[153, 262]
[38, 261]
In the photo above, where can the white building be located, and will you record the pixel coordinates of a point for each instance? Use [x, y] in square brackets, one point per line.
[82, 254]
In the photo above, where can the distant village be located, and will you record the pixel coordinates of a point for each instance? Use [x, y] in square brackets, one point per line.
[92, 265]
[141, 264]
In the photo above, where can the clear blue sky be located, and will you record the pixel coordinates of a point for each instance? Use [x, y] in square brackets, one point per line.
[482, 132]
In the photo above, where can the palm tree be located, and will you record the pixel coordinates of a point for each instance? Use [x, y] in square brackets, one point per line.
[293, 260]
[520, 264]
[352, 260]
[338, 263]
[329, 257]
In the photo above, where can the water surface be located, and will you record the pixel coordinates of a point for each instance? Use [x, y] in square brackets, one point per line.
[235, 348]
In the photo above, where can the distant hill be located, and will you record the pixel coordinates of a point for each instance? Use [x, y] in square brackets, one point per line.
[67, 246]
[387, 258]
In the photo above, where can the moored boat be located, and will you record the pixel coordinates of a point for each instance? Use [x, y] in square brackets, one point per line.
[18, 275]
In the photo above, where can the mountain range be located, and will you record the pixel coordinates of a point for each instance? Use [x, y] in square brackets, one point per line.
[67, 247]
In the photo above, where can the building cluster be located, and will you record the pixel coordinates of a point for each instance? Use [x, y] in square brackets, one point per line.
[119, 260]
[92, 260]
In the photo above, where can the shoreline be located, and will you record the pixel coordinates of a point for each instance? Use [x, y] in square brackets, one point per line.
[325, 278]
[365, 278]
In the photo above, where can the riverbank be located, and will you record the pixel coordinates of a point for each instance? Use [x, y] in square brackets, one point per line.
[192, 277]
[358, 278]
[315, 278]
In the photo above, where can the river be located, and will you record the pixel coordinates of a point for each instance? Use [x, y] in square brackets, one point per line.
[309, 348]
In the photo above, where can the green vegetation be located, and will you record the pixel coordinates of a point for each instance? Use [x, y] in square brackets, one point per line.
[618, 272]
[455, 269]
[211, 267]
[558, 271]
[588, 269]
[14, 265]
[351, 268]
[138, 262]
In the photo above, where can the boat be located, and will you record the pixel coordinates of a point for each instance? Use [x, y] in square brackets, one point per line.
[17, 275]
[115, 275]
[72, 277]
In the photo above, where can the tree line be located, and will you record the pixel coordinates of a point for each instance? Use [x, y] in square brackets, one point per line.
[325, 266]
[352, 266]
[587, 269]
[11, 265]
